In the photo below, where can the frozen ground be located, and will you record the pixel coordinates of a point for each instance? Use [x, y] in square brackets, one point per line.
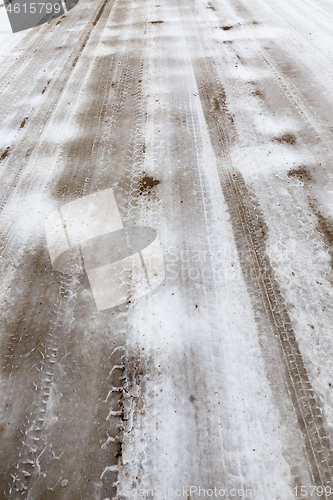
[212, 124]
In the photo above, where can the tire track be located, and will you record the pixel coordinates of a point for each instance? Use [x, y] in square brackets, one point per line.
[259, 276]
[92, 169]
[116, 395]
[173, 155]
[30, 343]
[30, 450]
[45, 113]
[33, 53]
[290, 88]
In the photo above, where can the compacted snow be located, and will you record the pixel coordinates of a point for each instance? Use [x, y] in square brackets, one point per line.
[166, 250]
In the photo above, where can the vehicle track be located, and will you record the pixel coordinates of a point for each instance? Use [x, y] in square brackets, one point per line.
[104, 446]
[122, 376]
[263, 287]
[44, 114]
[281, 89]
[30, 445]
[196, 397]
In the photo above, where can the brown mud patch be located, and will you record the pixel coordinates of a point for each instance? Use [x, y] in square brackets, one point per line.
[324, 227]
[5, 154]
[24, 122]
[300, 173]
[44, 89]
[146, 184]
[287, 138]
[257, 93]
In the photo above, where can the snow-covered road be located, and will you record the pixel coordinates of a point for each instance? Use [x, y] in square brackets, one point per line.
[211, 122]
